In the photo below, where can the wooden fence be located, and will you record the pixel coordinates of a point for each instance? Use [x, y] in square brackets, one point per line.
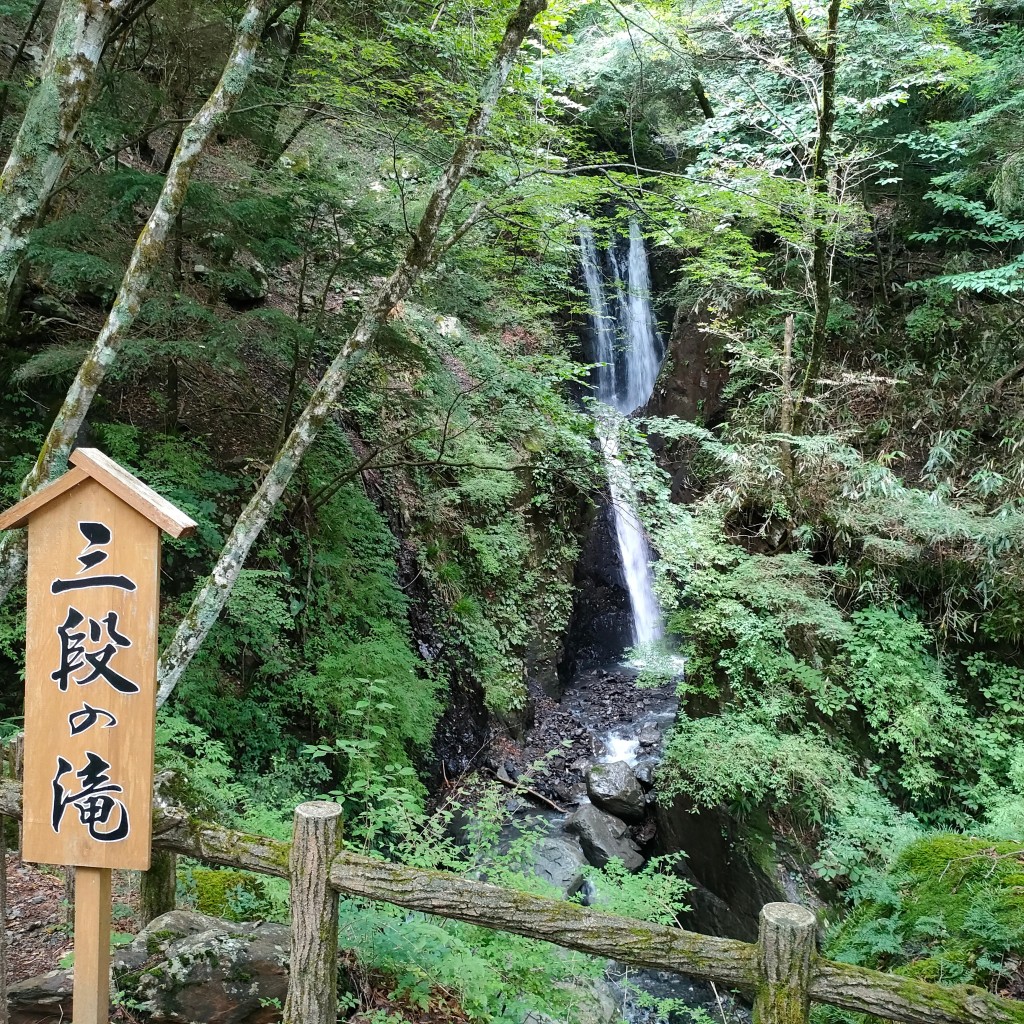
[782, 970]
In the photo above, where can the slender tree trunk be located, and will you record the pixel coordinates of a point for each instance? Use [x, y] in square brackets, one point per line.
[213, 595]
[158, 887]
[149, 250]
[18, 54]
[275, 149]
[43, 144]
[786, 415]
[3, 902]
[821, 250]
[702, 97]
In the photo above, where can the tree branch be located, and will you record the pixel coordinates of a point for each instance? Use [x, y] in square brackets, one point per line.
[800, 34]
[213, 595]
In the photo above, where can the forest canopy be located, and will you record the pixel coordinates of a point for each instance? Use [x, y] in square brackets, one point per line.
[313, 272]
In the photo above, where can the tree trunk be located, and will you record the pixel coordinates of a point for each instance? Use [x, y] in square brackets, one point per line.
[821, 251]
[18, 54]
[158, 888]
[559, 921]
[786, 413]
[3, 903]
[149, 250]
[210, 600]
[43, 144]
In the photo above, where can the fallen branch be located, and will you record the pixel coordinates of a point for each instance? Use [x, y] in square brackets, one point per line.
[531, 793]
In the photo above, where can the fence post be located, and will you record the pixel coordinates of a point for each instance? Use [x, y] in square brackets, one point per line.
[785, 949]
[313, 973]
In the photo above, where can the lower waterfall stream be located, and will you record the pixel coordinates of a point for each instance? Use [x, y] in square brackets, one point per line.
[610, 731]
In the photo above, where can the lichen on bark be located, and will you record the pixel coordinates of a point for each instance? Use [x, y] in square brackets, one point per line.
[41, 148]
[146, 256]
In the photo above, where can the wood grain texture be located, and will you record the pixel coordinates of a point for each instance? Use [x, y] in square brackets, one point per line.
[56, 541]
[18, 515]
[133, 491]
[313, 972]
[91, 993]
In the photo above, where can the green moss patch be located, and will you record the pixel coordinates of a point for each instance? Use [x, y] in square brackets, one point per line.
[232, 895]
[951, 910]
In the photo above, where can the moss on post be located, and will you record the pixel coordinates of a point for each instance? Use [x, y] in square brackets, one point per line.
[785, 950]
[313, 973]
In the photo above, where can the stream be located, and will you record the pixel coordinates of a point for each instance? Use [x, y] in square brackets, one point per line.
[599, 735]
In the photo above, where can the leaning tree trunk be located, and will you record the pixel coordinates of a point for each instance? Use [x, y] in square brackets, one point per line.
[149, 250]
[210, 600]
[43, 144]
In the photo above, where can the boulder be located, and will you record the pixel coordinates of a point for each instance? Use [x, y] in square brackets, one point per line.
[614, 788]
[46, 997]
[244, 281]
[249, 284]
[595, 1000]
[560, 861]
[650, 735]
[603, 837]
[188, 968]
[221, 246]
[644, 772]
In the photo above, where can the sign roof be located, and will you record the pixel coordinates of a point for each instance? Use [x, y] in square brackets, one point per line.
[90, 463]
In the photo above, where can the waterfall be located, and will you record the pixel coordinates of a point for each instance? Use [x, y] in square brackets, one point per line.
[628, 344]
[643, 346]
[602, 324]
[634, 550]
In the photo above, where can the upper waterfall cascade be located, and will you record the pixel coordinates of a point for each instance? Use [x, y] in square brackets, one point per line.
[626, 344]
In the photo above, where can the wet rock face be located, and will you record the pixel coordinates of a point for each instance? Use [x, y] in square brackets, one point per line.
[560, 861]
[601, 626]
[615, 789]
[691, 385]
[730, 888]
[603, 837]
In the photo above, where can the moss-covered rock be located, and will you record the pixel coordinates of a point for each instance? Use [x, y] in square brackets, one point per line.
[187, 967]
[950, 910]
[232, 895]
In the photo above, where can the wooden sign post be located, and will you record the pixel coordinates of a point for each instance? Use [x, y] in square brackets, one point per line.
[90, 689]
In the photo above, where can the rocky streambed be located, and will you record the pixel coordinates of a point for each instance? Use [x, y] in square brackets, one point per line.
[587, 765]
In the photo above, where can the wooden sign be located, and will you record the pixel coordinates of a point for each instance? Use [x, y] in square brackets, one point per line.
[90, 687]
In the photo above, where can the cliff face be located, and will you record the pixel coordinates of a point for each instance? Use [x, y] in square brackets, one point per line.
[694, 374]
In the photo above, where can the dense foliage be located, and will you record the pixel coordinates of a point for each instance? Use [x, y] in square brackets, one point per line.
[834, 200]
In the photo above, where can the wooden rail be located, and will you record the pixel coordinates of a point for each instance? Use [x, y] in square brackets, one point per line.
[782, 970]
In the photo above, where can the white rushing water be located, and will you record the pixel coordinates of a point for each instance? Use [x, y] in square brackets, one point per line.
[602, 323]
[621, 748]
[627, 343]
